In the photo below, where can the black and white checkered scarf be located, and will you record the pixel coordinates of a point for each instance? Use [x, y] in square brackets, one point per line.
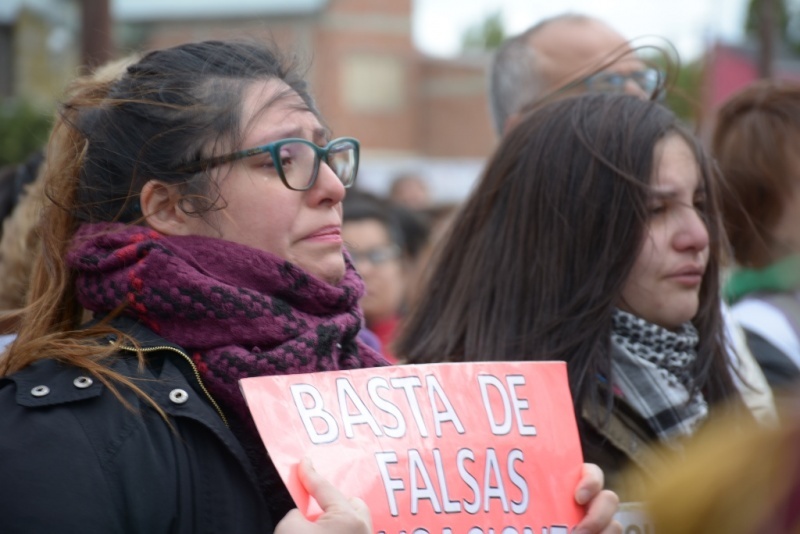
[651, 371]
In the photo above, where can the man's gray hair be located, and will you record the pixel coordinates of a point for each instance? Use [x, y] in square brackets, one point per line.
[515, 79]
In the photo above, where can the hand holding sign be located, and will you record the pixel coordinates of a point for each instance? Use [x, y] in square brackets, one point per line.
[340, 514]
[602, 505]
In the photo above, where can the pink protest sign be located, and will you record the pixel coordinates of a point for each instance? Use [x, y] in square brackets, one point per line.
[443, 448]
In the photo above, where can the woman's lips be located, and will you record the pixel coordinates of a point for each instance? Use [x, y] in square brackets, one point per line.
[328, 234]
[690, 276]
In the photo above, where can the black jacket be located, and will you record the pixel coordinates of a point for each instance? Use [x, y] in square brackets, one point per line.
[73, 458]
[781, 372]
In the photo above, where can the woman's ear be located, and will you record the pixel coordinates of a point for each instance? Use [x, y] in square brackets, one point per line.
[160, 204]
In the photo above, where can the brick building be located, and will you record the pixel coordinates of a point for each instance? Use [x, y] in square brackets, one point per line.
[38, 49]
[411, 112]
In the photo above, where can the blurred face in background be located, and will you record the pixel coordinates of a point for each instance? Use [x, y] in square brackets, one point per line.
[568, 53]
[664, 285]
[380, 262]
[410, 192]
[571, 49]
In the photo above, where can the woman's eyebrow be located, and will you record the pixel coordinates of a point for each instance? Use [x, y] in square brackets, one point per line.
[663, 193]
[318, 135]
[276, 135]
[322, 135]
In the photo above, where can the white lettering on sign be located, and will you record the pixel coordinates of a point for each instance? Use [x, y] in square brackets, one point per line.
[353, 410]
[509, 398]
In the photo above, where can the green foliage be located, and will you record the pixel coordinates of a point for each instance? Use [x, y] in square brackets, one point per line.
[786, 20]
[486, 35]
[23, 130]
[684, 83]
[684, 96]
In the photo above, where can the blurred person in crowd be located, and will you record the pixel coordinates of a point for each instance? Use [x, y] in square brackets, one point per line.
[438, 219]
[735, 477]
[19, 242]
[411, 191]
[566, 54]
[14, 180]
[23, 198]
[17, 238]
[194, 212]
[573, 54]
[755, 142]
[594, 238]
[374, 234]
[18, 251]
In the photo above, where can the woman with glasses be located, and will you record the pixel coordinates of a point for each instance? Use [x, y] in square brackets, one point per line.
[381, 250]
[592, 238]
[193, 238]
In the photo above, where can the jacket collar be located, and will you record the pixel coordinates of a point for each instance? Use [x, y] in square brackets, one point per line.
[146, 338]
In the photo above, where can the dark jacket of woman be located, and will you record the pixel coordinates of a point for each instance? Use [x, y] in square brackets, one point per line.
[95, 465]
[621, 444]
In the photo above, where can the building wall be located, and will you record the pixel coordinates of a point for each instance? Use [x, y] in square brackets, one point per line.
[366, 73]
[454, 109]
[288, 32]
[45, 59]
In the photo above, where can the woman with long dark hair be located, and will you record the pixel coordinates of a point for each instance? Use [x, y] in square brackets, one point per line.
[594, 238]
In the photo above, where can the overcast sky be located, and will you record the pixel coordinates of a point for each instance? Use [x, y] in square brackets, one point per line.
[688, 24]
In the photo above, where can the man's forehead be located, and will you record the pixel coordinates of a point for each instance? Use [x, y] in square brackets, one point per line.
[568, 49]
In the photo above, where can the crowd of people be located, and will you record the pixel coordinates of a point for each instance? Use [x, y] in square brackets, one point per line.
[193, 223]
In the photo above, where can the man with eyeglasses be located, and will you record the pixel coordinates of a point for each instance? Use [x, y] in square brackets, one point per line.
[562, 55]
[571, 54]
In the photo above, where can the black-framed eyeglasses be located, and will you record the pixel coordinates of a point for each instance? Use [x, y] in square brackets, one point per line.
[648, 80]
[296, 160]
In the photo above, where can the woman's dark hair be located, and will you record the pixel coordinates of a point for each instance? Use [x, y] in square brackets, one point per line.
[755, 142]
[173, 107]
[536, 260]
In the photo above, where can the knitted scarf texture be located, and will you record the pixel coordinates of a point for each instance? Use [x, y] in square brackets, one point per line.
[238, 311]
[652, 371]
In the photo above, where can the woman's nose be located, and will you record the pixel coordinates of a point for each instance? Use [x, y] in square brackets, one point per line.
[693, 232]
[328, 185]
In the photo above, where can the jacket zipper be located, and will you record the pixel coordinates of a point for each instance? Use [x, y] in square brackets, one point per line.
[194, 369]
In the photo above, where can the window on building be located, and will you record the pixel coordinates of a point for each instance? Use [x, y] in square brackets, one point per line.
[374, 83]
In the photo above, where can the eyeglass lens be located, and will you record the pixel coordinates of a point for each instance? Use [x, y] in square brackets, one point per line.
[376, 255]
[298, 162]
[647, 80]
[342, 159]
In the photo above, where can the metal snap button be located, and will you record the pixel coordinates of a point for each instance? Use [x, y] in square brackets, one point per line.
[339, 346]
[40, 391]
[178, 396]
[83, 382]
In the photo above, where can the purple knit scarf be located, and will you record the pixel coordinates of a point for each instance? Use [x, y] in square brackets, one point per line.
[238, 311]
